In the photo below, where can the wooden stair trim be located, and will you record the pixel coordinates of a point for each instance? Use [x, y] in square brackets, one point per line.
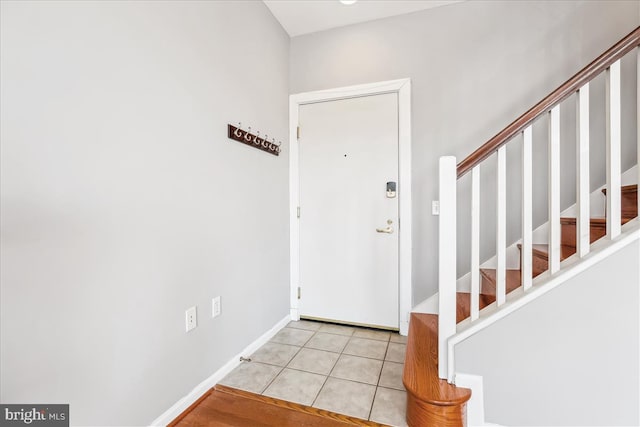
[421, 414]
[514, 280]
[541, 251]
[420, 375]
[599, 222]
[597, 230]
[463, 304]
[629, 201]
[625, 189]
[594, 221]
[298, 407]
[252, 405]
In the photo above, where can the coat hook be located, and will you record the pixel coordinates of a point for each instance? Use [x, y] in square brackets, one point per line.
[255, 139]
[238, 131]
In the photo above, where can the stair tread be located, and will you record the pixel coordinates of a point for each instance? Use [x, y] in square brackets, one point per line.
[542, 250]
[598, 221]
[420, 374]
[629, 200]
[625, 189]
[594, 221]
[513, 279]
[463, 304]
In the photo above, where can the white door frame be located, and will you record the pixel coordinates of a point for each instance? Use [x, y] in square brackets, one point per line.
[403, 88]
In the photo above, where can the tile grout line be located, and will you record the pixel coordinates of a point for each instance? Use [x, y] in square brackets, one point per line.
[326, 378]
[272, 380]
[344, 379]
[284, 367]
[378, 383]
[349, 339]
[372, 402]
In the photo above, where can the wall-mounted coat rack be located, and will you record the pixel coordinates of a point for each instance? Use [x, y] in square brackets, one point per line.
[246, 137]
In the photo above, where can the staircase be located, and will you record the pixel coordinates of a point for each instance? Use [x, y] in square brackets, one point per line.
[429, 373]
[540, 252]
[432, 401]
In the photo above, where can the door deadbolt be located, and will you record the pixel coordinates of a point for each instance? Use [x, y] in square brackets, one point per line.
[391, 190]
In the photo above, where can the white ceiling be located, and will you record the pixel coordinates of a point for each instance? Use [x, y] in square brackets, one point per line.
[308, 16]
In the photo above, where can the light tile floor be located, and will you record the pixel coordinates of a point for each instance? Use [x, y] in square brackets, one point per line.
[344, 369]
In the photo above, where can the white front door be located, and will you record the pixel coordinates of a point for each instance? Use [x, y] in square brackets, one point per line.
[348, 220]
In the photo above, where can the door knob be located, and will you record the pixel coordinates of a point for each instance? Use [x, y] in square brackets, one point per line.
[388, 229]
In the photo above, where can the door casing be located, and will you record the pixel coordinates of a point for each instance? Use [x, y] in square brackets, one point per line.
[403, 88]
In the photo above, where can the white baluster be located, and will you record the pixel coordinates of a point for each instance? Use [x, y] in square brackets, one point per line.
[501, 227]
[583, 235]
[554, 189]
[613, 149]
[526, 267]
[475, 242]
[447, 259]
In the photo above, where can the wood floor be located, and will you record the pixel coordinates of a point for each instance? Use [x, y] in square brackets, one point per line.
[226, 406]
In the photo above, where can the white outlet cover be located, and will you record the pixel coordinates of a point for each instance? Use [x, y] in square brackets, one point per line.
[215, 307]
[191, 318]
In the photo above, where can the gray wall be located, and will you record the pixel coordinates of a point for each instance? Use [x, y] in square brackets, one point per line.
[475, 66]
[568, 358]
[123, 202]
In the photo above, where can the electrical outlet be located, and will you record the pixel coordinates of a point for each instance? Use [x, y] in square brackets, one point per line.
[191, 318]
[215, 304]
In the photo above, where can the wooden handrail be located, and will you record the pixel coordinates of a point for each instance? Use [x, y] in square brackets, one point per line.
[565, 90]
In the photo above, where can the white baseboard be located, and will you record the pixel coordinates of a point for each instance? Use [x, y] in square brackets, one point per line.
[404, 326]
[181, 405]
[475, 405]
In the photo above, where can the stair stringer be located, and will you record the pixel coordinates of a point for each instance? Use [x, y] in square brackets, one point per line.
[537, 363]
[517, 299]
[542, 284]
